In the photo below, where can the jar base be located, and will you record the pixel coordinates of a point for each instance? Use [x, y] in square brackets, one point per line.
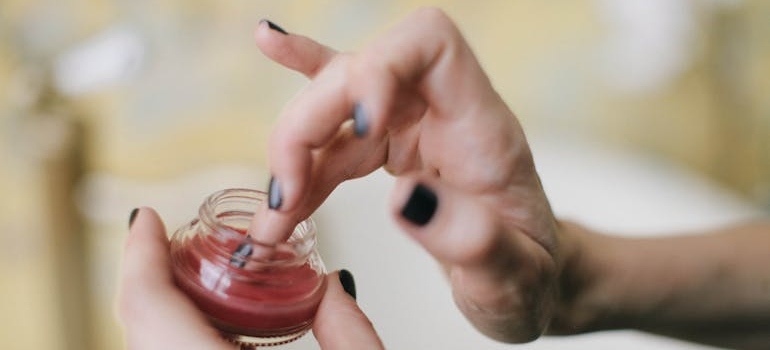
[246, 342]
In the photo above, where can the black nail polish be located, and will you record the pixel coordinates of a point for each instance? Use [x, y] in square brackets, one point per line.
[421, 206]
[360, 120]
[240, 255]
[274, 195]
[348, 283]
[275, 27]
[132, 217]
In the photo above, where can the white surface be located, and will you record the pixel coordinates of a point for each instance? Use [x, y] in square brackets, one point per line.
[402, 290]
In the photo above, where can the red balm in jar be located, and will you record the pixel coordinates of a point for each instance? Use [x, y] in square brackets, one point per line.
[255, 294]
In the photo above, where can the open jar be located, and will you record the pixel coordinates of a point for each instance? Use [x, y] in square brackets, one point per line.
[255, 294]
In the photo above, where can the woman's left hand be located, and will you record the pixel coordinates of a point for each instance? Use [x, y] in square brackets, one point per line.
[157, 315]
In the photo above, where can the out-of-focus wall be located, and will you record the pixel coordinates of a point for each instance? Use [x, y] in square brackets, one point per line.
[105, 106]
[712, 112]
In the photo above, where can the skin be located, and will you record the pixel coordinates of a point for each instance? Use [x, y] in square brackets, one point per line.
[708, 287]
[157, 315]
[493, 231]
[516, 271]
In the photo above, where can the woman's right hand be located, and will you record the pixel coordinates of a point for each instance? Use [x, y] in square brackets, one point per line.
[417, 102]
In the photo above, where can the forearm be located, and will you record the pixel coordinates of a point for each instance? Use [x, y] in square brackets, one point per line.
[712, 287]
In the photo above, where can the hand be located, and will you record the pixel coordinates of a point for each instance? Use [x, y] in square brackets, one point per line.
[467, 190]
[157, 315]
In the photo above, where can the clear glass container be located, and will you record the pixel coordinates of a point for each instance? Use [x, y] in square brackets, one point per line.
[255, 294]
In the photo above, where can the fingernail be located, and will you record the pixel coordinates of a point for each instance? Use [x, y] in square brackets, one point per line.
[348, 284]
[421, 206]
[240, 255]
[132, 217]
[274, 196]
[360, 120]
[275, 27]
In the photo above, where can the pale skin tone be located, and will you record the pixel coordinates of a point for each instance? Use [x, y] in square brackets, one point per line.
[432, 117]
[157, 315]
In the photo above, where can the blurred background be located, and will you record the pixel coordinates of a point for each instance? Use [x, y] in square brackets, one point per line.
[646, 116]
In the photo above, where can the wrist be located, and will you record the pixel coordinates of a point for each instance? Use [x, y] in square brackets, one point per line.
[585, 260]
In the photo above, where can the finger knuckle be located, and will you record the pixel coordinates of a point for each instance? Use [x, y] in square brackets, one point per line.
[433, 15]
[436, 20]
[366, 64]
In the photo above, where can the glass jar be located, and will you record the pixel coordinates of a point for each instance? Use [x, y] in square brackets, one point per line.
[255, 294]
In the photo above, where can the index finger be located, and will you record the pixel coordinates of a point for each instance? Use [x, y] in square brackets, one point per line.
[425, 53]
[293, 51]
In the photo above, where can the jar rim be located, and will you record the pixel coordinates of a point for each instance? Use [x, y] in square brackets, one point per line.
[302, 240]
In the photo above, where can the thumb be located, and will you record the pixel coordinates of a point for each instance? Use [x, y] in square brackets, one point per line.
[154, 313]
[478, 244]
[499, 275]
[339, 323]
[454, 227]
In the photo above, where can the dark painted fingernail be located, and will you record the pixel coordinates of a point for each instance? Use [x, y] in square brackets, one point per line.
[421, 206]
[132, 217]
[360, 120]
[240, 255]
[275, 27]
[348, 283]
[274, 195]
